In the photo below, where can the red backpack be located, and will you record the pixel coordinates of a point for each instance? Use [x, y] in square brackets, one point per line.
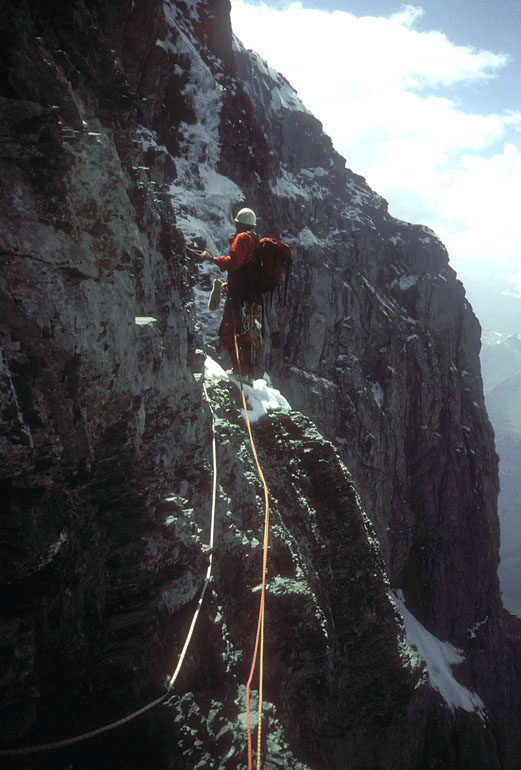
[275, 259]
[265, 269]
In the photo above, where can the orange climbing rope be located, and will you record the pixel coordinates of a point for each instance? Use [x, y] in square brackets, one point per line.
[100, 730]
[259, 640]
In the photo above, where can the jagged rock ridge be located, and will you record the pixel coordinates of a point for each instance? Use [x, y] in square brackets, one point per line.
[144, 125]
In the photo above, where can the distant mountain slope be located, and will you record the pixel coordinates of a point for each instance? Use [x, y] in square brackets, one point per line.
[501, 366]
[504, 405]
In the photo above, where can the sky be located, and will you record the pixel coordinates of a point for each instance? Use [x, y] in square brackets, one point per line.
[424, 101]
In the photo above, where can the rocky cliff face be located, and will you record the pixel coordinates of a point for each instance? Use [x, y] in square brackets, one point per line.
[127, 130]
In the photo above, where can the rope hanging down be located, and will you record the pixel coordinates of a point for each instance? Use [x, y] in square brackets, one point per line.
[209, 570]
[259, 640]
[157, 701]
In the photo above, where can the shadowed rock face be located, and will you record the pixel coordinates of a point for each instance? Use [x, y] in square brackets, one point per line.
[126, 129]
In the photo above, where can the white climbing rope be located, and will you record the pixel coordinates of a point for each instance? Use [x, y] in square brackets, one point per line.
[100, 730]
[209, 570]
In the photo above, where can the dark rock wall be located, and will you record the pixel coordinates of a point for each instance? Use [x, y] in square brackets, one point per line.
[124, 130]
[89, 397]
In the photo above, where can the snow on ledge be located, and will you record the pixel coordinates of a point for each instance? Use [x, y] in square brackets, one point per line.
[439, 657]
[261, 398]
[144, 320]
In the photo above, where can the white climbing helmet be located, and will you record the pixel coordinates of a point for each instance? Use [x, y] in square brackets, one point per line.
[246, 217]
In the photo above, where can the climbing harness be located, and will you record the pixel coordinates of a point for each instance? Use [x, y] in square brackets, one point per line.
[157, 701]
[259, 640]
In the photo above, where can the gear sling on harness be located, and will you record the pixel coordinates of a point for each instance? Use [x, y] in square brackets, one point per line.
[238, 320]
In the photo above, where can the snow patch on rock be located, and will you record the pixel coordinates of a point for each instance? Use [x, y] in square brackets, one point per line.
[260, 397]
[439, 657]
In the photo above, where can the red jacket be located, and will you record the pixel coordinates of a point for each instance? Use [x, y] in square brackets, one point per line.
[242, 245]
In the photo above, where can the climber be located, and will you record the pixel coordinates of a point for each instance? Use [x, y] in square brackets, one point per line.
[240, 310]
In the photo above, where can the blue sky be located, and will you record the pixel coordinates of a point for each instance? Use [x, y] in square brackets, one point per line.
[423, 99]
[494, 25]
[489, 24]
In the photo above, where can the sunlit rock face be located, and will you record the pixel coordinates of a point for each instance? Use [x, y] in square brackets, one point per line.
[129, 130]
[381, 347]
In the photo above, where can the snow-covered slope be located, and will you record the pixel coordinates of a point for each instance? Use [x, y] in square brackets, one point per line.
[439, 657]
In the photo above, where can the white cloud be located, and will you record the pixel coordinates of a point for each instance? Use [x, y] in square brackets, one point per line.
[485, 193]
[514, 287]
[390, 97]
